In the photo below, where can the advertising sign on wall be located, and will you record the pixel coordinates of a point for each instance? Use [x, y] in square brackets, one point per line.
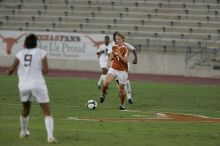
[58, 45]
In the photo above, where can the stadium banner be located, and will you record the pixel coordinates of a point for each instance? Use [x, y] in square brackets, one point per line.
[58, 45]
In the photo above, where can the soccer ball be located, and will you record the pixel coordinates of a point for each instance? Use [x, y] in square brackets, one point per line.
[91, 104]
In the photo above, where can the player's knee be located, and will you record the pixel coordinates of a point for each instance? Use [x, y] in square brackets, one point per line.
[104, 87]
[106, 84]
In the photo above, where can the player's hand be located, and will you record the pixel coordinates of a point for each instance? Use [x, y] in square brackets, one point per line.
[9, 72]
[117, 53]
[101, 52]
[134, 61]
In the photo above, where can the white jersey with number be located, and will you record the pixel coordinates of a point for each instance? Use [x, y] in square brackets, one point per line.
[30, 68]
[103, 58]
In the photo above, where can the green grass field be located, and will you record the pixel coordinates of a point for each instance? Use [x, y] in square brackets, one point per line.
[75, 125]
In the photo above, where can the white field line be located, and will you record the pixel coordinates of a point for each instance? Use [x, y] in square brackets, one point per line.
[140, 116]
[79, 106]
[78, 119]
[159, 115]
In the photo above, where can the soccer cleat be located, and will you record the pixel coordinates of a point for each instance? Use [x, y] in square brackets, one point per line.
[122, 107]
[24, 134]
[130, 100]
[102, 99]
[52, 140]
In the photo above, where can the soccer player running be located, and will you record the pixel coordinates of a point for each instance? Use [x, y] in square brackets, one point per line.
[31, 64]
[133, 50]
[102, 53]
[118, 62]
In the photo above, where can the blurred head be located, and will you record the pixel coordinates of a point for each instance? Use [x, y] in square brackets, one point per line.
[114, 35]
[120, 38]
[30, 41]
[107, 40]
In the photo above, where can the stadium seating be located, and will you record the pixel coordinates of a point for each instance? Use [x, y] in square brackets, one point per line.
[149, 24]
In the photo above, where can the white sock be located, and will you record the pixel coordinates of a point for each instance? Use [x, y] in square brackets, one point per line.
[24, 124]
[100, 80]
[49, 124]
[103, 77]
[128, 89]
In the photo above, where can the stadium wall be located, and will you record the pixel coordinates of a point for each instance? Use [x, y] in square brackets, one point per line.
[159, 63]
[148, 63]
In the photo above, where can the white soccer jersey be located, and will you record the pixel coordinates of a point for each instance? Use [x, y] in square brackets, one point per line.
[103, 58]
[30, 68]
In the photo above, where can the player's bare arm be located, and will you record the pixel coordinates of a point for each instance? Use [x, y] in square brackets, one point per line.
[100, 52]
[135, 56]
[133, 50]
[13, 66]
[110, 58]
[45, 65]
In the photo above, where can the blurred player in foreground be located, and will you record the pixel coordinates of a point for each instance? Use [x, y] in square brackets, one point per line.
[118, 62]
[133, 50]
[102, 53]
[31, 64]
